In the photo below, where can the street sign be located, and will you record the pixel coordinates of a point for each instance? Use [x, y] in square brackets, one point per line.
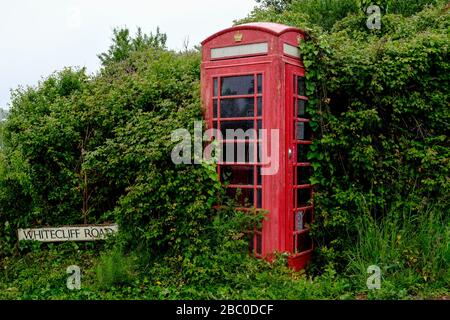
[67, 233]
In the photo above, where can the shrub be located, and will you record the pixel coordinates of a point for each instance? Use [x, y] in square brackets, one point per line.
[323, 14]
[93, 150]
[379, 102]
[81, 149]
[53, 130]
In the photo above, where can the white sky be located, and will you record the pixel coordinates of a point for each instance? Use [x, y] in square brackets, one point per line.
[41, 36]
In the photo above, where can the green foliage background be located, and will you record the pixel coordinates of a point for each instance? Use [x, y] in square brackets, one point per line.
[380, 106]
[94, 149]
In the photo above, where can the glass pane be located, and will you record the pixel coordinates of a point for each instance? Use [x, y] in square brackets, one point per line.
[301, 108]
[259, 124]
[258, 176]
[295, 84]
[307, 218]
[215, 87]
[251, 240]
[237, 108]
[238, 152]
[299, 220]
[258, 243]
[260, 80]
[215, 124]
[301, 88]
[300, 131]
[308, 131]
[243, 197]
[236, 124]
[303, 219]
[215, 108]
[303, 131]
[231, 86]
[260, 106]
[259, 152]
[302, 152]
[303, 175]
[302, 242]
[259, 198]
[303, 197]
[240, 175]
[294, 103]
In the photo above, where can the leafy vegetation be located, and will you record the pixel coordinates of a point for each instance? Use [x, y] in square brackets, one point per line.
[379, 104]
[323, 14]
[81, 149]
[3, 116]
[93, 150]
[123, 45]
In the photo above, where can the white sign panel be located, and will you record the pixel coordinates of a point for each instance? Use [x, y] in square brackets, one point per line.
[240, 50]
[291, 50]
[68, 233]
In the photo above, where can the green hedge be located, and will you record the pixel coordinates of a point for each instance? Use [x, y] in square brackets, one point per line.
[94, 149]
[379, 101]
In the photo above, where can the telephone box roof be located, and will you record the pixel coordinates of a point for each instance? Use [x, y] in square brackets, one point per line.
[269, 27]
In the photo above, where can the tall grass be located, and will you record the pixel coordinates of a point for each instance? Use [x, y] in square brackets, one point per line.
[411, 248]
[408, 7]
[114, 269]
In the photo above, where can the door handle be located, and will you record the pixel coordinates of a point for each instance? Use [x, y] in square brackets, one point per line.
[289, 153]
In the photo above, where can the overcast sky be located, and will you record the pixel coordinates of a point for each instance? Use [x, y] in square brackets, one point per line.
[39, 37]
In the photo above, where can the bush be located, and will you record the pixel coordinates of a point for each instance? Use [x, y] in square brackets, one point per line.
[94, 150]
[323, 14]
[54, 169]
[380, 117]
[81, 149]
[379, 103]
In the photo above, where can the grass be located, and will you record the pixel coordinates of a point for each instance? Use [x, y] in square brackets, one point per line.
[114, 269]
[42, 275]
[411, 249]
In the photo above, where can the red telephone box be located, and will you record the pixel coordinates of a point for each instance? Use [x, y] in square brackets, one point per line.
[253, 78]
